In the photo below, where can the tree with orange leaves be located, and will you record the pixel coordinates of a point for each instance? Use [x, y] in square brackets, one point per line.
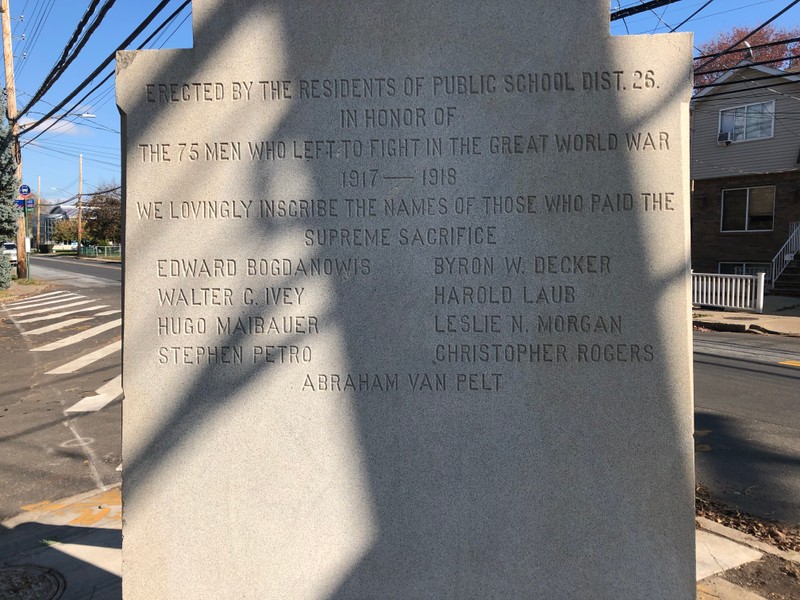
[778, 55]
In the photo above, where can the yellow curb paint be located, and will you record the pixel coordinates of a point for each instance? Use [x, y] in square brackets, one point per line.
[44, 506]
[790, 363]
[90, 517]
[105, 505]
[705, 593]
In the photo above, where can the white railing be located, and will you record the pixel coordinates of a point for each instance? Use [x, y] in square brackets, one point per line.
[786, 254]
[740, 292]
[754, 270]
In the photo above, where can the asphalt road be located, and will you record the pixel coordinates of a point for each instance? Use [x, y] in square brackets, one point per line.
[747, 422]
[49, 451]
[68, 270]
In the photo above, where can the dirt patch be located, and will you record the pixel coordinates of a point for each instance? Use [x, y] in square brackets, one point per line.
[771, 577]
[20, 290]
[781, 535]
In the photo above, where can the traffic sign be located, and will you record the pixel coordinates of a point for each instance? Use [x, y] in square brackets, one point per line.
[21, 202]
[24, 190]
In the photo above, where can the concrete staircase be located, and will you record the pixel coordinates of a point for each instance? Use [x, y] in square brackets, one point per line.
[788, 283]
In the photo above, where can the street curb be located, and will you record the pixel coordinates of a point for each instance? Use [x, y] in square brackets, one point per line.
[739, 328]
[761, 329]
[740, 537]
[717, 326]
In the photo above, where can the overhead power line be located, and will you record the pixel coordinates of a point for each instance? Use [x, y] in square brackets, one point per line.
[756, 47]
[750, 64]
[635, 10]
[107, 95]
[21, 17]
[142, 26]
[67, 55]
[40, 16]
[111, 57]
[690, 17]
[751, 34]
[742, 80]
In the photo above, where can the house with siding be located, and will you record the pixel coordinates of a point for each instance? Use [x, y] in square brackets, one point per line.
[745, 170]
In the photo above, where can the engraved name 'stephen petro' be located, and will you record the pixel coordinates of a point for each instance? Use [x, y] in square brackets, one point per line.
[407, 305]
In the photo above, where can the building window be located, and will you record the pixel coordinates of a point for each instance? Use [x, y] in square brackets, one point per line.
[748, 209]
[748, 122]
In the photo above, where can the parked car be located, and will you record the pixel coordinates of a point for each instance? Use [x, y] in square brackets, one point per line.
[10, 250]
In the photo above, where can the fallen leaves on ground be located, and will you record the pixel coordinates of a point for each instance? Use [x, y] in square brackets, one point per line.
[781, 535]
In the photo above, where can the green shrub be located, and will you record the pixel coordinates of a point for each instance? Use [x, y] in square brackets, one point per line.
[6, 272]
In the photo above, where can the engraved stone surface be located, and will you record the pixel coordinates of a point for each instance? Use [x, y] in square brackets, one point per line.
[406, 305]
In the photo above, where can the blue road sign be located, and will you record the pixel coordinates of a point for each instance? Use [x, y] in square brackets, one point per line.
[21, 202]
[24, 190]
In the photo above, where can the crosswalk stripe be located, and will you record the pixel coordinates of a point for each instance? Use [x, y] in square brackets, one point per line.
[107, 313]
[63, 314]
[37, 298]
[78, 337]
[86, 360]
[60, 300]
[56, 326]
[40, 311]
[105, 394]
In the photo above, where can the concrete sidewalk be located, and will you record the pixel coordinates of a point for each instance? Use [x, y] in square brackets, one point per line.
[71, 550]
[781, 316]
[64, 550]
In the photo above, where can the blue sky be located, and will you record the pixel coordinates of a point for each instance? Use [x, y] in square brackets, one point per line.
[53, 157]
[47, 27]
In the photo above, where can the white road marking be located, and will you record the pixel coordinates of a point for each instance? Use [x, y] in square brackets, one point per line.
[83, 361]
[63, 314]
[37, 298]
[78, 337]
[40, 311]
[56, 326]
[105, 394]
[106, 313]
[92, 462]
[48, 302]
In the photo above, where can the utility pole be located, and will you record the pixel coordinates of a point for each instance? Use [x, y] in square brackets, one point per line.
[11, 112]
[39, 213]
[80, 204]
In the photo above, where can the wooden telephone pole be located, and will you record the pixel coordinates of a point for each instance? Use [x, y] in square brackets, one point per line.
[80, 205]
[11, 112]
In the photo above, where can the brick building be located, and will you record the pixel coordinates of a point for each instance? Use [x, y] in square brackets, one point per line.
[745, 169]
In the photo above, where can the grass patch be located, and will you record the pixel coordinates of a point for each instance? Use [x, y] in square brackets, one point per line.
[18, 289]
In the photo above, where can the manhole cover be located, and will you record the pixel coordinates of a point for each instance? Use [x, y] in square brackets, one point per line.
[29, 582]
[742, 319]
